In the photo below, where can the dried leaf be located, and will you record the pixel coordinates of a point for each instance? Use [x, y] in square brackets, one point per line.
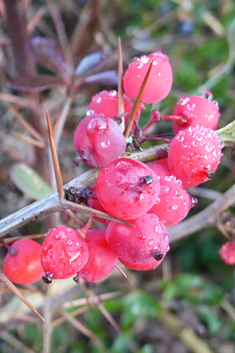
[107, 77]
[34, 84]
[29, 182]
[16, 291]
[48, 52]
[90, 62]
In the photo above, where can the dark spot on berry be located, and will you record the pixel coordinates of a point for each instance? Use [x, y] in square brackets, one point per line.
[12, 251]
[47, 278]
[147, 179]
[76, 279]
[210, 174]
[158, 255]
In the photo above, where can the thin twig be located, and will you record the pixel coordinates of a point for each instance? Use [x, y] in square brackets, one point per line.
[206, 218]
[28, 139]
[137, 102]
[56, 164]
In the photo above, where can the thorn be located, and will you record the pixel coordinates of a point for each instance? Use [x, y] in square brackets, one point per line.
[137, 102]
[17, 292]
[56, 164]
[121, 271]
[120, 76]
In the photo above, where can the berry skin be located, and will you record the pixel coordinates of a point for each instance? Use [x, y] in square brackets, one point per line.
[25, 266]
[64, 253]
[173, 203]
[194, 155]
[160, 167]
[139, 244]
[159, 81]
[142, 267]
[123, 189]
[106, 102]
[102, 259]
[98, 140]
[227, 253]
[198, 110]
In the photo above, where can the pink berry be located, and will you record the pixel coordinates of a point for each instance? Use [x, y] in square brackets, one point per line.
[160, 167]
[159, 81]
[64, 253]
[127, 188]
[106, 102]
[173, 203]
[194, 155]
[227, 253]
[139, 244]
[198, 110]
[25, 266]
[102, 259]
[143, 267]
[98, 140]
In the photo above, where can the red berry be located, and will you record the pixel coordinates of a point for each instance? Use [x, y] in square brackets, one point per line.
[227, 253]
[25, 266]
[139, 244]
[124, 190]
[198, 110]
[194, 155]
[64, 252]
[98, 140]
[107, 103]
[142, 267]
[173, 203]
[102, 259]
[160, 167]
[159, 81]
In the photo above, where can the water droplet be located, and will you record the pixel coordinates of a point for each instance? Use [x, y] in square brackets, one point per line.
[60, 235]
[180, 138]
[150, 242]
[183, 100]
[191, 106]
[105, 144]
[48, 247]
[207, 95]
[174, 207]
[69, 242]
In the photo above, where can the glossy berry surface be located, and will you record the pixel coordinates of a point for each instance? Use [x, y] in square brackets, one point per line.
[160, 167]
[138, 244]
[198, 111]
[194, 155]
[64, 252]
[106, 102]
[25, 266]
[123, 189]
[227, 253]
[173, 203]
[102, 259]
[142, 267]
[98, 140]
[159, 82]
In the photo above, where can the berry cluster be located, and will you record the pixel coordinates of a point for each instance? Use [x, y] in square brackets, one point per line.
[149, 197]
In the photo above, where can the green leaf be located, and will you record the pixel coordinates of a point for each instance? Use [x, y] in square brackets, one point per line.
[139, 304]
[29, 181]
